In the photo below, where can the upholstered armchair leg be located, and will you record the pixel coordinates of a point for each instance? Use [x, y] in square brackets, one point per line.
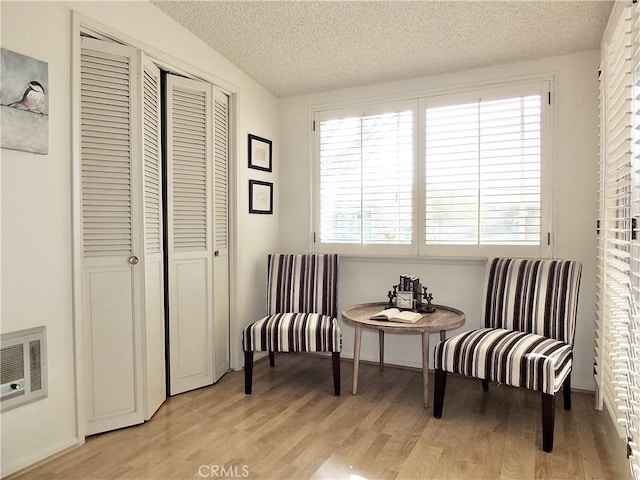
[335, 356]
[566, 392]
[548, 418]
[438, 392]
[485, 385]
[272, 358]
[248, 372]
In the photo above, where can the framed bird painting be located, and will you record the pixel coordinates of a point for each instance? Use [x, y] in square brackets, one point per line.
[24, 103]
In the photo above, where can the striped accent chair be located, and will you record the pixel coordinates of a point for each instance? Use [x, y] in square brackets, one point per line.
[302, 309]
[530, 309]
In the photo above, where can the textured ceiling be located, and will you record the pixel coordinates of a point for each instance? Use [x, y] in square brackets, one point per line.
[300, 47]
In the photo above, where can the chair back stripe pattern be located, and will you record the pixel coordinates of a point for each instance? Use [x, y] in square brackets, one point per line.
[302, 283]
[533, 296]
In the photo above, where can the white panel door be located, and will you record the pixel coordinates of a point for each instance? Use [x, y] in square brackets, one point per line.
[221, 236]
[189, 233]
[154, 331]
[111, 232]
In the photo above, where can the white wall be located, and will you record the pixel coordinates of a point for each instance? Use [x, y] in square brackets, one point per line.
[36, 217]
[459, 283]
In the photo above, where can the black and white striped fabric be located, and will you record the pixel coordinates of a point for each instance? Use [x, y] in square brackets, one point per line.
[302, 305]
[533, 296]
[529, 318]
[302, 283]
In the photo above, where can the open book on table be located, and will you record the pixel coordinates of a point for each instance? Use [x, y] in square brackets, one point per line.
[395, 315]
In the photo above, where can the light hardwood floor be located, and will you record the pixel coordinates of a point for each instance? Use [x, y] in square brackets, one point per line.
[293, 427]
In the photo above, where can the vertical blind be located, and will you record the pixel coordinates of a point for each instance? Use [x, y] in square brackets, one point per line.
[366, 178]
[483, 172]
[617, 371]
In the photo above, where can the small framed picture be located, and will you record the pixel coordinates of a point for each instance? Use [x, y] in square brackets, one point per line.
[260, 197]
[260, 153]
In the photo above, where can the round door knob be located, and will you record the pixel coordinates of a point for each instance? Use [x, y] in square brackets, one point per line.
[216, 253]
[133, 260]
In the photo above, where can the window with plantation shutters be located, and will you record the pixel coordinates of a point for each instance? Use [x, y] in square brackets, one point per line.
[458, 174]
[483, 169]
[634, 260]
[613, 314]
[366, 172]
[617, 361]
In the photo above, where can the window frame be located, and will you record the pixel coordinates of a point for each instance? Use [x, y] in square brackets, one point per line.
[542, 84]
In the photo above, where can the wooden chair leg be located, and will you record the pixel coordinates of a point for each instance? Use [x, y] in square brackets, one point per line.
[248, 372]
[272, 358]
[566, 392]
[548, 418]
[438, 392]
[485, 385]
[335, 356]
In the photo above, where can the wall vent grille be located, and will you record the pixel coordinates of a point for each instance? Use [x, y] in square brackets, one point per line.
[23, 372]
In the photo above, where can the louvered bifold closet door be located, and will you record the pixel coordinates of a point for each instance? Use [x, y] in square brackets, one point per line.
[154, 331]
[189, 232]
[111, 234]
[614, 314]
[221, 234]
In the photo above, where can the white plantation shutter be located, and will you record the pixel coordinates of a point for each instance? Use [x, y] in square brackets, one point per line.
[468, 176]
[190, 170]
[617, 362]
[221, 155]
[452, 174]
[366, 177]
[615, 183]
[633, 404]
[106, 154]
[484, 169]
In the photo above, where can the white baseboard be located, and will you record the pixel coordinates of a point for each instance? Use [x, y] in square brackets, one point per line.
[22, 463]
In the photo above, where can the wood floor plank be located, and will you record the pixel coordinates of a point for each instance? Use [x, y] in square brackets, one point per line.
[293, 427]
